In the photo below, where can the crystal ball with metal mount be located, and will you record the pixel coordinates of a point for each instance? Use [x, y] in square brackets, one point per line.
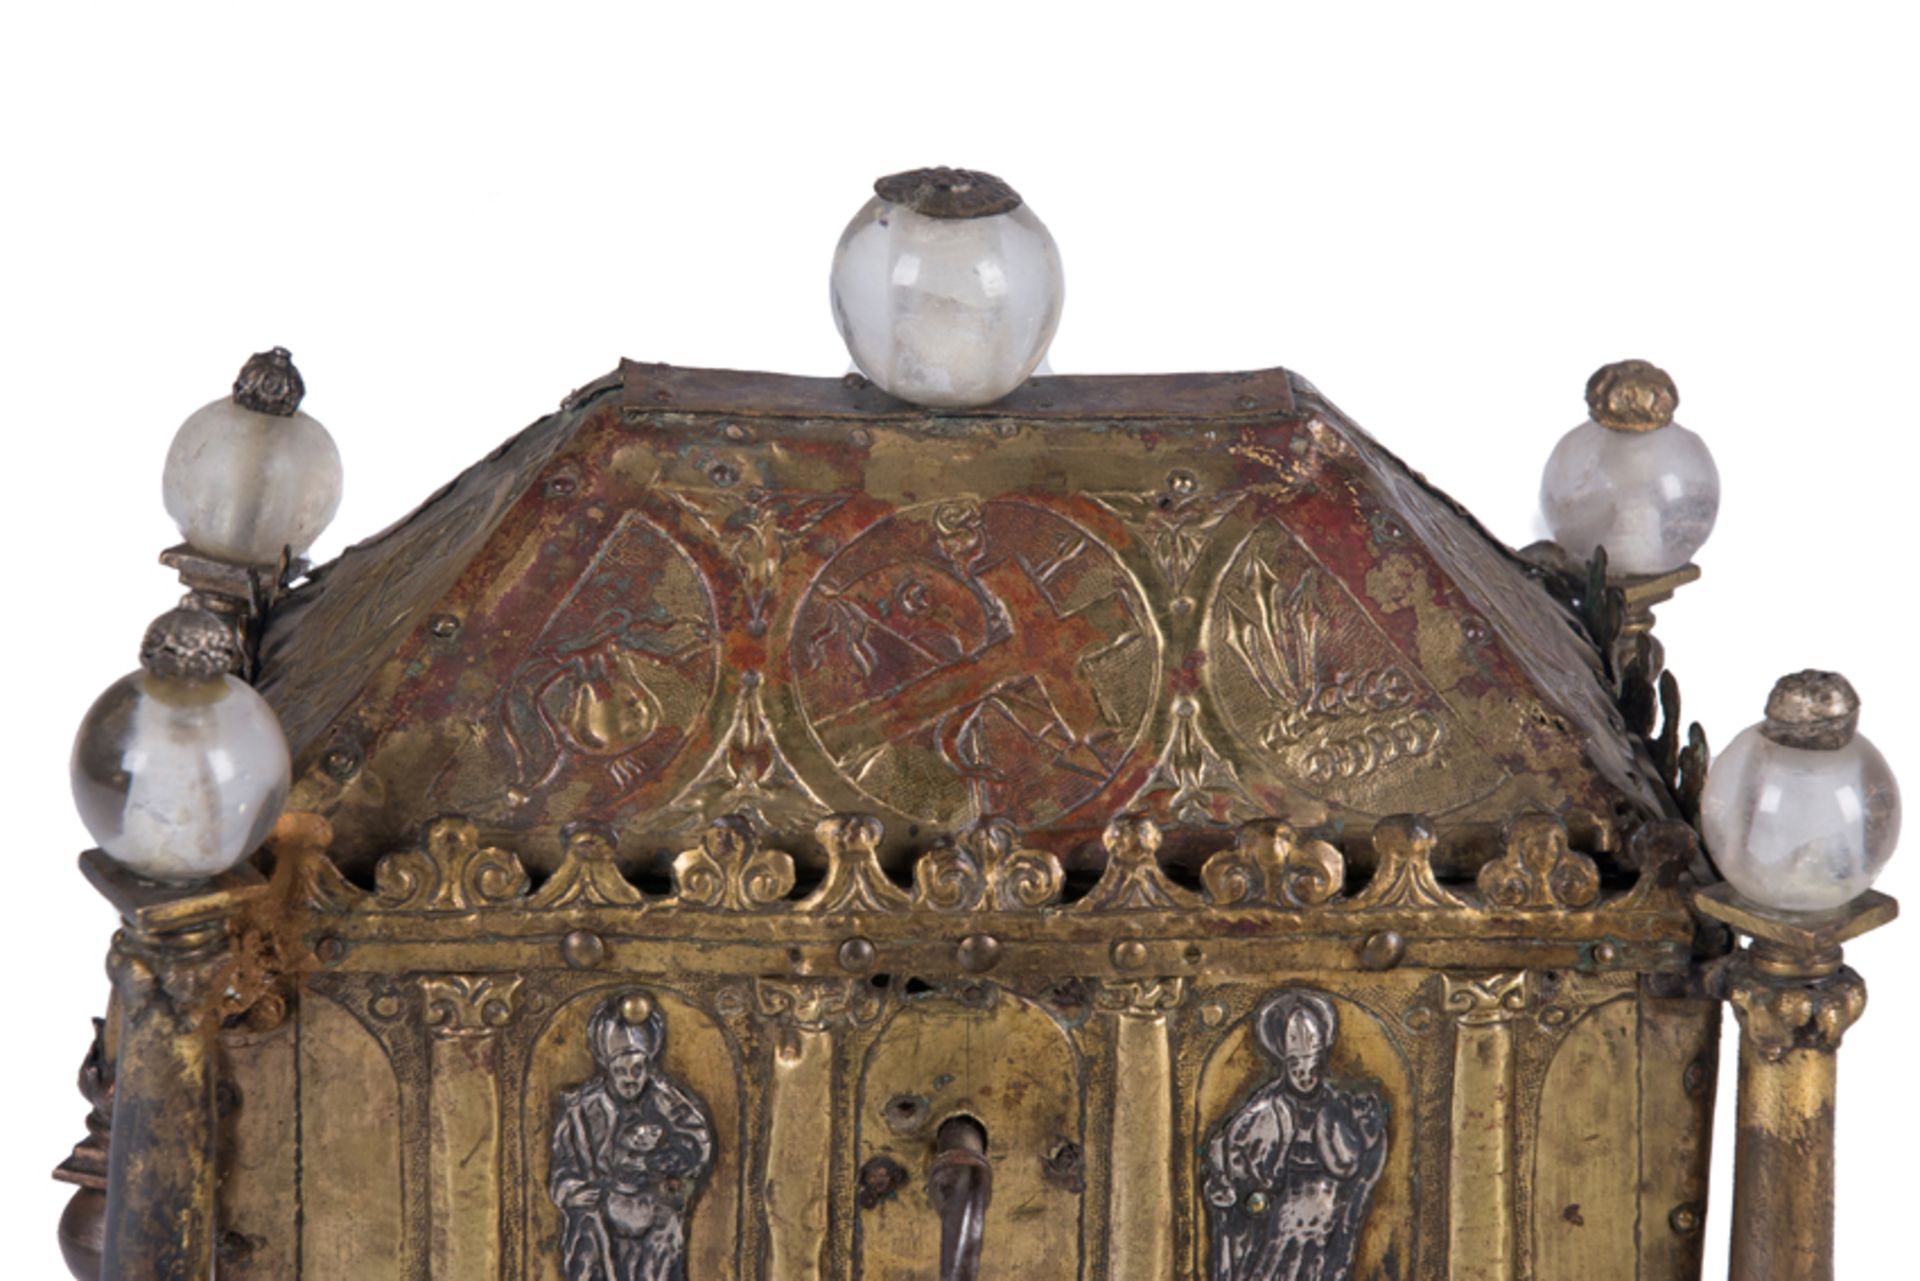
[1801, 812]
[1630, 479]
[947, 288]
[250, 476]
[180, 769]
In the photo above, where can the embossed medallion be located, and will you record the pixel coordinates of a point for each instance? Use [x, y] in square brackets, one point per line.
[1310, 684]
[1289, 1174]
[631, 1147]
[618, 673]
[966, 659]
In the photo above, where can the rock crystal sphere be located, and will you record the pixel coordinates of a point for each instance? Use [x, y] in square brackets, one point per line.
[180, 769]
[1630, 478]
[251, 475]
[1801, 814]
[947, 288]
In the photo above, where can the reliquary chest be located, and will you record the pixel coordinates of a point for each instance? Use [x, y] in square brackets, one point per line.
[752, 826]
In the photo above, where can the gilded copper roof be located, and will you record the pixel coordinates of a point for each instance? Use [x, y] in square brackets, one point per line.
[692, 592]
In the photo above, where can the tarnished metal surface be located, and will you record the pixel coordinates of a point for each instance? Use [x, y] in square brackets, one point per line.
[948, 193]
[1203, 596]
[1002, 767]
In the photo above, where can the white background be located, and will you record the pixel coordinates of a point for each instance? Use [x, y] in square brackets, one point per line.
[1445, 215]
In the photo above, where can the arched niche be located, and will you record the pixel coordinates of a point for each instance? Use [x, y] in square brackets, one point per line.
[349, 1149]
[702, 1059]
[1364, 1053]
[1586, 1155]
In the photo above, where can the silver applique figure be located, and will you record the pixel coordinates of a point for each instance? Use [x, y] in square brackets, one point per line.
[630, 1149]
[1290, 1173]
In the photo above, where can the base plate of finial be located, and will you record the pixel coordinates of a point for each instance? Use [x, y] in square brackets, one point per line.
[1808, 932]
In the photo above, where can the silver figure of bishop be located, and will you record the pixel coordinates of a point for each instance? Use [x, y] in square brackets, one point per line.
[631, 1147]
[1288, 1176]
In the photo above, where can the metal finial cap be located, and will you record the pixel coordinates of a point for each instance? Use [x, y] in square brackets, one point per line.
[1813, 710]
[269, 384]
[190, 644]
[948, 193]
[1632, 395]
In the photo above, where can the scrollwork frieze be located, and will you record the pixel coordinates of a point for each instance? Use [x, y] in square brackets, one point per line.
[469, 1004]
[450, 871]
[984, 868]
[1141, 996]
[814, 1004]
[1270, 864]
[1540, 870]
[729, 871]
[1483, 1000]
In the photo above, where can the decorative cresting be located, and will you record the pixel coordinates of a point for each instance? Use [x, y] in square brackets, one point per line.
[729, 872]
[1272, 866]
[1270, 863]
[450, 872]
[1289, 1174]
[1540, 870]
[631, 1148]
[983, 868]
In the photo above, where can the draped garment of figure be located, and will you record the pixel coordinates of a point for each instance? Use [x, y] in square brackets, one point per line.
[1287, 1181]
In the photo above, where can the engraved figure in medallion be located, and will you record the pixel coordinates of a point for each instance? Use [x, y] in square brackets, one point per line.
[968, 658]
[1289, 1175]
[630, 1149]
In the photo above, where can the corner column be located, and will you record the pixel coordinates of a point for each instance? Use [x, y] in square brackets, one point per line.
[167, 964]
[1795, 1000]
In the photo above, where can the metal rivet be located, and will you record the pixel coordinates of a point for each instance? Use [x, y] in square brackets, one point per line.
[978, 953]
[856, 954]
[445, 626]
[1605, 953]
[1130, 954]
[1383, 950]
[583, 949]
[723, 474]
[342, 763]
[1684, 1219]
[329, 949]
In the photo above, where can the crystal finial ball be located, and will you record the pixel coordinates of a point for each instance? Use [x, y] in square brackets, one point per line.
[251, 476]
[1801, 812]
[1630, 479]
[1649, 498]
[947, 288]
[179, 780]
